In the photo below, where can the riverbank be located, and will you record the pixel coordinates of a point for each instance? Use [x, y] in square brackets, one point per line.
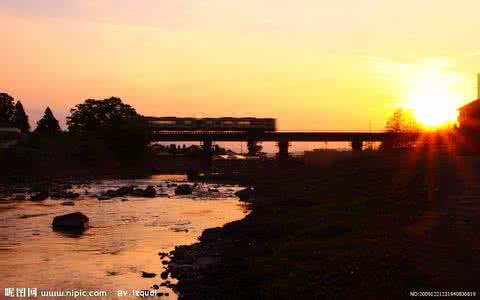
[351, 230]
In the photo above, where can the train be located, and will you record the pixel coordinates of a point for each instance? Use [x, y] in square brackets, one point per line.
[211, 124]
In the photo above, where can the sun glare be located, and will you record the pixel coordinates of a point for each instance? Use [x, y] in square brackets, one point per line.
[432, 100]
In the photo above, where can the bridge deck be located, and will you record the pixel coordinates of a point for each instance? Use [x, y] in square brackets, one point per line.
[276, 136]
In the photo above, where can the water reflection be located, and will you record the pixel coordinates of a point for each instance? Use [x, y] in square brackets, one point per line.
[124, 239]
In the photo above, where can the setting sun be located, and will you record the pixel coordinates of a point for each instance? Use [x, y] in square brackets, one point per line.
[432, 100]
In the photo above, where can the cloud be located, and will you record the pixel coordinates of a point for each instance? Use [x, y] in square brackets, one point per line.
[145, 12]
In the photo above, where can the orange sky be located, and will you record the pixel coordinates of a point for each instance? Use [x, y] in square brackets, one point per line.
[313, 65]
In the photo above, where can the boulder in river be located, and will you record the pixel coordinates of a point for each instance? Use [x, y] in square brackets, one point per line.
[184, 189]
[164, 274]
[121, 192]
[246, 194]
[149, 192]
[124, 191]
[40, 196]
[74, 222]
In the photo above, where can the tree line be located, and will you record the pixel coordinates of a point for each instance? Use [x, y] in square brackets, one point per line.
[97, 131]
[12, 114]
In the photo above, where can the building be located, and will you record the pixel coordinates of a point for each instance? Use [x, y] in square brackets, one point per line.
[469, 114]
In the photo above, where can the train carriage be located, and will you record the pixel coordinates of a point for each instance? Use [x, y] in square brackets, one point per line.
[211, 124]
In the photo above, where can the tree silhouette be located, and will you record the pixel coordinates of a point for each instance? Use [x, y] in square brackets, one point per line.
[6, 109]
[402, 120]
[112, 124]
[48, 125]
[20, 119]
[95, 114]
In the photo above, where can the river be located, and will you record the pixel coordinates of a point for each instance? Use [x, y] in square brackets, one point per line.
[124, 239]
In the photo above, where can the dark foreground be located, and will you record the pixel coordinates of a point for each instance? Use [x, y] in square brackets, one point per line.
[375, 227]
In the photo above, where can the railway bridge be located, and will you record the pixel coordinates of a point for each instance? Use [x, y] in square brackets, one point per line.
[283, 139]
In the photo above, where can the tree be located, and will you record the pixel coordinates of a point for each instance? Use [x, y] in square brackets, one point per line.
[48, 125]
[401, 121]
[6, 108]
[19, 118]
[96, 114]
[109, 123]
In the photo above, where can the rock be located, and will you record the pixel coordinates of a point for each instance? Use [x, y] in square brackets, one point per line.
[124, 191]
[149, 192]
[246, 194]
[148, 275]
[183, 189]
[75, 222]
[213, 190]
[39, 196]
[164, 275]
[121, 192]
[68, 203]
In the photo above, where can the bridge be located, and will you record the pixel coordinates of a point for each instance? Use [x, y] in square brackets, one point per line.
[282, 138]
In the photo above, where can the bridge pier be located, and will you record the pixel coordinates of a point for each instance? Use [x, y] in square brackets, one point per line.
[357, 145]
[251, 146]
[283, 150]
[207, 146]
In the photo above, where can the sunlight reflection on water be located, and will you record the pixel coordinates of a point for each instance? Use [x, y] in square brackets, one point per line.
[124, 239]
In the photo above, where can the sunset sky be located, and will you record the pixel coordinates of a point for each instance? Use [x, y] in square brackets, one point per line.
[313, 65]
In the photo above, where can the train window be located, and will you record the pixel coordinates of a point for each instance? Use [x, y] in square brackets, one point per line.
[165, 122]
[244, 122]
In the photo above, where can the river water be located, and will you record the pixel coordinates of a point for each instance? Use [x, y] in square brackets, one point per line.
[124, 239]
